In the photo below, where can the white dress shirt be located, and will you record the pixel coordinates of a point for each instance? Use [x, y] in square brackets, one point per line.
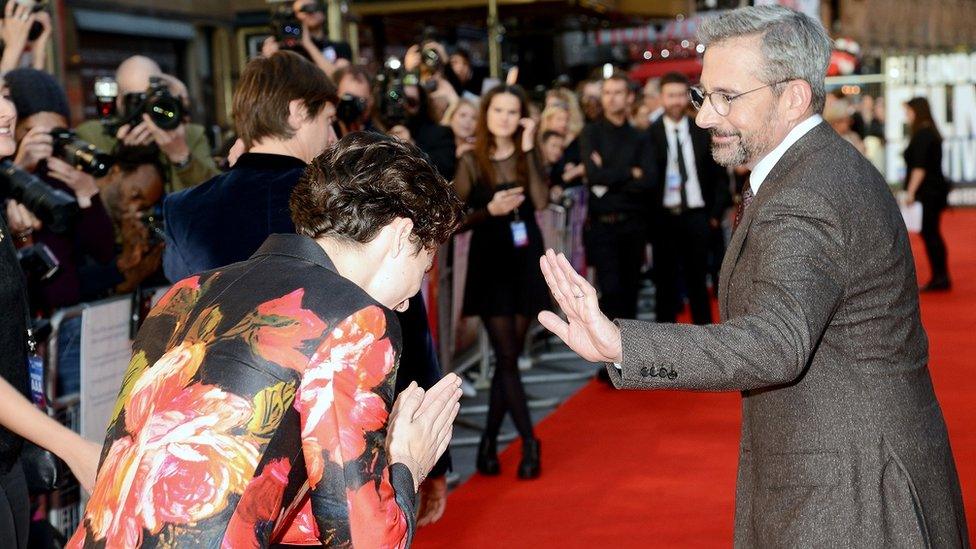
[768, 162]
[672, 178]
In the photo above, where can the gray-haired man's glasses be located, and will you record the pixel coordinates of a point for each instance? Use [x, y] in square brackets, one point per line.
[721, 102]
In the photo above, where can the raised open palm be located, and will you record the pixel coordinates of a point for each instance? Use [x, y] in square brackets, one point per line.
[586, 330]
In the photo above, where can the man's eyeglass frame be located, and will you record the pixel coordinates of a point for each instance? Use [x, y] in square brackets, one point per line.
[698, 96]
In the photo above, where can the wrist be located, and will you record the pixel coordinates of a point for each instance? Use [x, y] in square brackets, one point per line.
[180, 160]
[413, 466]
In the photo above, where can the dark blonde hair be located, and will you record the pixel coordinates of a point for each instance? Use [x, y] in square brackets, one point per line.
[268, 85]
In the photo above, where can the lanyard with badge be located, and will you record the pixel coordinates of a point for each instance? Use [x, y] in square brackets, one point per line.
[520, 234]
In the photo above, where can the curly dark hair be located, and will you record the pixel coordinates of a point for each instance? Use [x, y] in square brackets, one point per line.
[359, 185]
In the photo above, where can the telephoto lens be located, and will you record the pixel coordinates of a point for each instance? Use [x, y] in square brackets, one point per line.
[80, 153]
[57, 209]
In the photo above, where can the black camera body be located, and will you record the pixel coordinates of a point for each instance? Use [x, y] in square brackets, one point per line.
[81, 154]
[164, 109]
[351, 108]
[37, 262]
[36, 6]
[57, 209]
[285, 27]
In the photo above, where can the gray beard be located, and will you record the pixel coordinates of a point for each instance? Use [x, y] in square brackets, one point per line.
[746, 150]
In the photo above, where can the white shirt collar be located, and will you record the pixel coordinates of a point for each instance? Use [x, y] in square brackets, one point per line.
[670, 125]
[768, 162]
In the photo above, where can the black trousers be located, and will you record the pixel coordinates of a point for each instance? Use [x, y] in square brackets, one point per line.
[935, 247]
[616, 251]
[681, 247]
[14, 509]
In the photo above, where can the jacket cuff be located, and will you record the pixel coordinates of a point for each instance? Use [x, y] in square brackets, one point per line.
[402, 481]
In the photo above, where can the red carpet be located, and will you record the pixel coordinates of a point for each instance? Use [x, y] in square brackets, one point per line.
[630, 469]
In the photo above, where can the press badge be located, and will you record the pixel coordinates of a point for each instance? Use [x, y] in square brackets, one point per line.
[519, 235]
[35, 367]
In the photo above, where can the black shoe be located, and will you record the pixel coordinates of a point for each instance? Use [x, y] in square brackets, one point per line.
[488, 457]
[530, 466]
[940, 284]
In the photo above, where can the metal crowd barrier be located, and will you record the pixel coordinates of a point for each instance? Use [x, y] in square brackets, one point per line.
[64, 506]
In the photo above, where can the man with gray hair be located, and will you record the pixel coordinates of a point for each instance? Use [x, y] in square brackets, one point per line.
[843, 440]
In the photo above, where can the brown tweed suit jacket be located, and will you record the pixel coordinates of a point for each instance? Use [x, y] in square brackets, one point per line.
[843, 441]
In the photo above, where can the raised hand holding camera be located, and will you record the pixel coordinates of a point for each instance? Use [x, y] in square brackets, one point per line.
[36, 145]
[172, 142]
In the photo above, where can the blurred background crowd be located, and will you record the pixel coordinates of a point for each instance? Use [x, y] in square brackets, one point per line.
[562, 123]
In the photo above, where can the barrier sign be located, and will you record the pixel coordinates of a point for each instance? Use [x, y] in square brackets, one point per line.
[105, 352]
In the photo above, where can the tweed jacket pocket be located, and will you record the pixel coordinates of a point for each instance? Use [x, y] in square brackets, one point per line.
[901, 509]
[795, 489]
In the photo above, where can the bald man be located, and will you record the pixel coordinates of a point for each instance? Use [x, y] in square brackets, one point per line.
[183, 151]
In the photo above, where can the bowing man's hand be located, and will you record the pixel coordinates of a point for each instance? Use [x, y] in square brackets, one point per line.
[586, 330]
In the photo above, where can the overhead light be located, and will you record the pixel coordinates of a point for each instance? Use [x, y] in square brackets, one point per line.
[647, 54]
[665, 53]
[700, 48]
[607, 71]
[685, 43]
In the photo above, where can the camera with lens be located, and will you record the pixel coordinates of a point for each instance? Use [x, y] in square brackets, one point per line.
[54, 207]
[81, 154]
[351, 108]
[392, 100]
[164, 109]
[35, 6]
[285, 27]
[37, 262]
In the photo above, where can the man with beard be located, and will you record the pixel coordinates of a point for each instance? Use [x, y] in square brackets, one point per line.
[619, 171]
[843, 440]
[685, 206]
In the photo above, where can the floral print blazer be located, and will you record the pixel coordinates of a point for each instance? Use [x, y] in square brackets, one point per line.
[253, 412]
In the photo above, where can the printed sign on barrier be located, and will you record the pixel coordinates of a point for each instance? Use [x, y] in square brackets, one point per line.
[105, 352]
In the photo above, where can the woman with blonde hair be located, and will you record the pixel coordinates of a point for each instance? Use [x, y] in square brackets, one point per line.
[558, 117]
[462, 118]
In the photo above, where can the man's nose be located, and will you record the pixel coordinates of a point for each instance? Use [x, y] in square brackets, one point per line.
[707, 117]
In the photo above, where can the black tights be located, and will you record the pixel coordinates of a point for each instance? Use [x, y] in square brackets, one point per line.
[507, 336]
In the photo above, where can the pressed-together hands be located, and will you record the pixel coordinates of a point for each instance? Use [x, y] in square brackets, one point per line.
[421, 425]
[586, 330]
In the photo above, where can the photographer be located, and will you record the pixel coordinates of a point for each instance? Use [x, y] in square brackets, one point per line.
[284, 122]
[429, 60]
[17, 416]
[24, 28]
[313, 42]
[184, 150]
[409, 120]
[354, 112]
[42, 107]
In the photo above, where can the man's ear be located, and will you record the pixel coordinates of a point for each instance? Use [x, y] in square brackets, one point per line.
[798, 96]
[297, 113]
[402, 231]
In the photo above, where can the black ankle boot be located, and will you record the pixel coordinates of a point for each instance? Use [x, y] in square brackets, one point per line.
[488, 457]
[530, 467]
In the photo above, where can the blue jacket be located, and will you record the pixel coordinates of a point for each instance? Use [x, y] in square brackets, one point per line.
[226, 219]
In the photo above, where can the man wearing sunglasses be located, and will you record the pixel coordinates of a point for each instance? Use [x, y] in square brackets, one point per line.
[843, 440]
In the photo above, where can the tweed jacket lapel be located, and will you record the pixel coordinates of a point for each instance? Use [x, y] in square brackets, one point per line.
[817, 137]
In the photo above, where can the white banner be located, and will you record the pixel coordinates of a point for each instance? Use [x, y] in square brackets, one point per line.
[105, 352]
[947, 81]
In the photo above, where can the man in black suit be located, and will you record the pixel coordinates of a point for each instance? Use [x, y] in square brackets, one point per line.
[619, 171]
[684, 205]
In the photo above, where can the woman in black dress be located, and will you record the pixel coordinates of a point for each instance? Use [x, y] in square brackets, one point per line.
[925, 183]
[502, 184]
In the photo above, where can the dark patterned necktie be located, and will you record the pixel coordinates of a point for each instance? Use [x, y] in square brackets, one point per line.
[743, 204]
